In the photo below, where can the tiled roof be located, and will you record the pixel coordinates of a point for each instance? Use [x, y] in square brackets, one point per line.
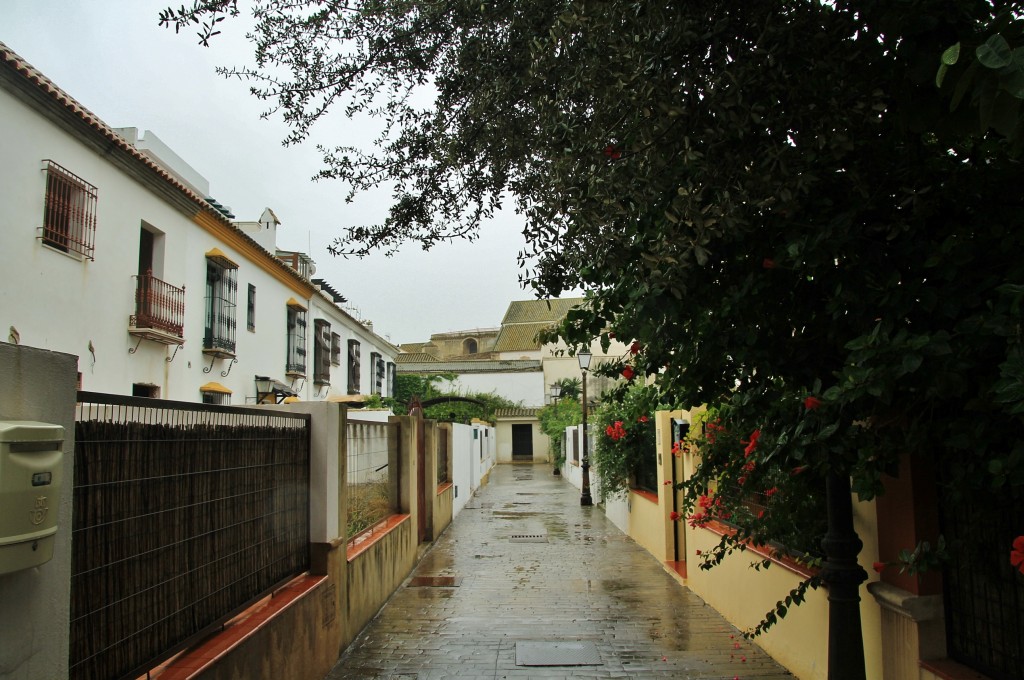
[536, 311]
[520, 337]
[516, 412]
[412, 347]
[414, 358]
[479, 366]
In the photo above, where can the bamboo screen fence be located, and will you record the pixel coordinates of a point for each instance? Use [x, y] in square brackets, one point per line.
[184, 514]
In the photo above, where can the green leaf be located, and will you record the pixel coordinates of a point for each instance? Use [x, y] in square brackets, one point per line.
[911, 362]
[951, 55]
[994, 53]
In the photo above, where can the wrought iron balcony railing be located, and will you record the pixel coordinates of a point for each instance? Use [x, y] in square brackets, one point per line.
[158, 306]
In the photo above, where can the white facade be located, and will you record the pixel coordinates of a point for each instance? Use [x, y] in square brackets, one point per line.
[146, 220]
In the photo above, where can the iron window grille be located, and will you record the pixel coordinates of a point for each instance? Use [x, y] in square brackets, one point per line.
[296, 364]
[321, 352]
[250, 310]
[353, 367]
[221, 294]
[69, 215]
[335, 349]
[375, 366]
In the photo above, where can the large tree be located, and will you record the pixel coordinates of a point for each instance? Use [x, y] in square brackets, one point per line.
[776, 200]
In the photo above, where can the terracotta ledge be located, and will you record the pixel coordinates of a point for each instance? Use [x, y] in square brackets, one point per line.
[947, 669]
[193, 662]
[441, 488]
[362, 542]
[652, 497]
[784, 561]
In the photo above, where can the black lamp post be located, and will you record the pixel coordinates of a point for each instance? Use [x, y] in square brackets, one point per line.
[584, 356]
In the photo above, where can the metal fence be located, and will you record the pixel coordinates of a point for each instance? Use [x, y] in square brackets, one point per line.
[184, 514]
[984, 593]
[369, 475]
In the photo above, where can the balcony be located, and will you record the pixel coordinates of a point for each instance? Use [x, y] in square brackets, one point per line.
[159, 311]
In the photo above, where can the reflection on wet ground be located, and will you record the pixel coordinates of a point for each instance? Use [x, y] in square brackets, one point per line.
[585, 581]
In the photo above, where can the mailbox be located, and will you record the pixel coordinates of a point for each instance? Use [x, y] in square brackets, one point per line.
[31, 461]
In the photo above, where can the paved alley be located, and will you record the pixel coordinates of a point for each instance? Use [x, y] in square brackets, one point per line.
[524, 575]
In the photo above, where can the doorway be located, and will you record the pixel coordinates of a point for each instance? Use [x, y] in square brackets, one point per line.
[522, 443]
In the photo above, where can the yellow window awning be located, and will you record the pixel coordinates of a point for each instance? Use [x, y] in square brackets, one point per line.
[214, 387]
[218, 256]
[295, 304]
[290, 400]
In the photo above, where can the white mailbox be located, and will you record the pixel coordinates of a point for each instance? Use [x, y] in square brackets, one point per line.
[31, 460]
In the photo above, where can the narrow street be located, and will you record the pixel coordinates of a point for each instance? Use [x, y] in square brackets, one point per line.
[525, 583]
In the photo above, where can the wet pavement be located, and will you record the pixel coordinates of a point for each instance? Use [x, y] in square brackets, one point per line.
[524, 575]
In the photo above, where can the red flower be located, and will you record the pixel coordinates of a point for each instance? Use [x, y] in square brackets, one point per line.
[699, 553]
[666, 482]
[674, 516]
[611, 334]
[771, 492]
[768, 263]
[612, 151]
[878, 566]
[811, 403]
[798, 470]
[634, 348]
[1017, 554]
[642, 419]
[628, 373]
[752, 444]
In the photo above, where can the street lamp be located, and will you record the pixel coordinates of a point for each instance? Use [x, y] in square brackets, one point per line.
[556, 391]
[584, 356]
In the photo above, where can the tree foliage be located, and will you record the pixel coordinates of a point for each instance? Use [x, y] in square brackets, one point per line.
[427, 387]
[777, 200]
[555, 417]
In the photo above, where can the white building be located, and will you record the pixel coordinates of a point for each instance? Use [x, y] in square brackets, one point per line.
[113, 251]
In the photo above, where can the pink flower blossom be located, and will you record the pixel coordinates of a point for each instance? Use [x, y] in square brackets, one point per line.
[811, 403]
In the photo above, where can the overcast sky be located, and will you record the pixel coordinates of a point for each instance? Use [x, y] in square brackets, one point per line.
[112, 57]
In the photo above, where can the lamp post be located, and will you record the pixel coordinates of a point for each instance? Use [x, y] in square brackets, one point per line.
[556, 391]
[584, 356]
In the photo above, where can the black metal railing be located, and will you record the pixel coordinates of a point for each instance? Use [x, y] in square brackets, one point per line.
[984, 593]
[158, 305]
[184, 514]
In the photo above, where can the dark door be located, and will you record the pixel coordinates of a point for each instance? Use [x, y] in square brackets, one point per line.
[522, 442]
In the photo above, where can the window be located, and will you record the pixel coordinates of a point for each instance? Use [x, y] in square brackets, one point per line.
[469, 346]
[250, 310]
[391, 379]
[335, 349]
[69, 216]
[221, 292]
[296, 364]
[375, 381]
[321, 352]
[353, 367]
[145, 390]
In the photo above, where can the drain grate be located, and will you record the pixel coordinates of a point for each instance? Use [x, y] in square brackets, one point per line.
[528, 538]
[435, 581]
[557, 654]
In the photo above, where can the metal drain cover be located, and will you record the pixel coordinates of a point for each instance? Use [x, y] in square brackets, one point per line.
[528, 538]
[435, 581]
[557, 654]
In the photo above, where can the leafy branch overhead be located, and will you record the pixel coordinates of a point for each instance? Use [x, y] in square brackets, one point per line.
[806, 214]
